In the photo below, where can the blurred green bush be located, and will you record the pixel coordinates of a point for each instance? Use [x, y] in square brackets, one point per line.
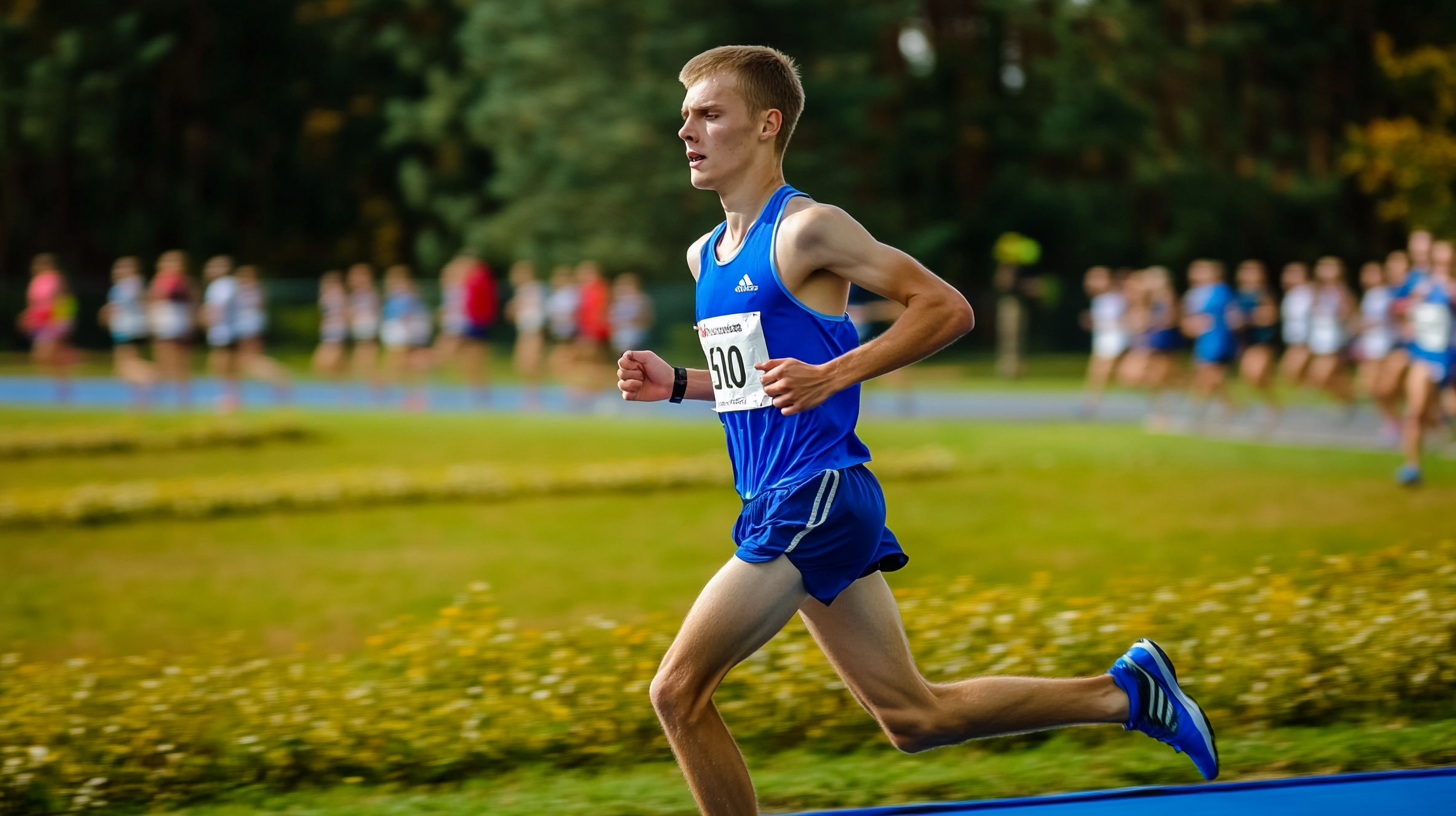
[468, 692]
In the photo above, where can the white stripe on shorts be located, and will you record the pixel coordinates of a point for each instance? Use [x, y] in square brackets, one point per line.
[833, 485]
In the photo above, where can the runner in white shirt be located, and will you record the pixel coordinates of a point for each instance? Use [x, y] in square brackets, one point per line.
[1107, 318]
[364, 309]
[219, 316]
[170, 302]
[328, 359]
[405, 331]
[631, 314]
[1376, 341]
[562, 305]
[452, 310]
[1294, 314]
[527, 310]
[125, 314]
[251, 317]
[1331, 312]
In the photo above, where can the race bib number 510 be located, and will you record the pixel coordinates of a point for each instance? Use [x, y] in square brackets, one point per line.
[734, 344]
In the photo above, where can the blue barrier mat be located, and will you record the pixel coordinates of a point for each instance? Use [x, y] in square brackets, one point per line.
[1427, 792]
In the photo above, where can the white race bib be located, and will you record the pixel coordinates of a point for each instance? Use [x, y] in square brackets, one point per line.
[734, 344]
[1432, 324]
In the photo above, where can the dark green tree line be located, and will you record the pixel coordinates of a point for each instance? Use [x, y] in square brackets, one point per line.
[307, 133]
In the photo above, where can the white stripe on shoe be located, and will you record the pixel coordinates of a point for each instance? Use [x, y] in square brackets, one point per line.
[1195, 713]
[1156, 707]
[831, 481]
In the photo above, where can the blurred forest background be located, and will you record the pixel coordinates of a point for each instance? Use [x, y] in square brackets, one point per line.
[302, 135]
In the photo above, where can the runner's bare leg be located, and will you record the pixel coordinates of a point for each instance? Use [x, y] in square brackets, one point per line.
[863, 638]
[740, 609]
[745, 605]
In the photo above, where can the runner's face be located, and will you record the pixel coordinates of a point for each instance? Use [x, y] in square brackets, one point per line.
[1397, 266]
[1441, 253]
[718, 131]
[1420, 248]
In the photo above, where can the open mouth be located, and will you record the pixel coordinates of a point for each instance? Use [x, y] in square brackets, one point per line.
[695, 160]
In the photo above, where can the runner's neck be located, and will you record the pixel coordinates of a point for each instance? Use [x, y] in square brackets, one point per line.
[742, 203]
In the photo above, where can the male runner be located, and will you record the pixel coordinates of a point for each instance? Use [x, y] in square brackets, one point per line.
[1431, 308]
[784, 373]
[1212, 318]
[1107, 318]
[220, 317]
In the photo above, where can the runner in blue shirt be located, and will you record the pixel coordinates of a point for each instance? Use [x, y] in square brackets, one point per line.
[1418, 248]
[784, 368]
[1211, 317]
[1260, 315]
[1162, 336]
[1431, 308]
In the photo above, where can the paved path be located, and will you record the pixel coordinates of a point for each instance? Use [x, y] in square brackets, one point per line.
[1317, 425]
[1430, 792]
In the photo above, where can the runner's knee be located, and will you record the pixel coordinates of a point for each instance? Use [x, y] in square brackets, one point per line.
[913, 722]
[676, 694]
[912, 729]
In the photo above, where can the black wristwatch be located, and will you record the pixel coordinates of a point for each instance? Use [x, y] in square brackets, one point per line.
[679, 384]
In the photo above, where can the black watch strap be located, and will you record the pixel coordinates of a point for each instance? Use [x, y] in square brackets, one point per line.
[679, 384]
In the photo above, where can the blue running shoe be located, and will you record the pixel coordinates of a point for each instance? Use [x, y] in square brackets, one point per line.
[1408, 476]
[1159, 708]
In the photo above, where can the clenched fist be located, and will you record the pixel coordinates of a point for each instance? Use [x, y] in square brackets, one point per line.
[642, 376]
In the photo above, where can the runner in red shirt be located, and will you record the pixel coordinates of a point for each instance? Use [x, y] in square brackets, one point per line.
[482, 305]
[594, 328]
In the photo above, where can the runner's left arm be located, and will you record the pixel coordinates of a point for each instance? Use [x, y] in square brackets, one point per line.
[827, 238]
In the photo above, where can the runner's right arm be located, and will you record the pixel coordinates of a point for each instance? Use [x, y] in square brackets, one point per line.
[643, 376]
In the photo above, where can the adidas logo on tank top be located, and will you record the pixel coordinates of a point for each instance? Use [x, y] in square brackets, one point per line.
[745, 285]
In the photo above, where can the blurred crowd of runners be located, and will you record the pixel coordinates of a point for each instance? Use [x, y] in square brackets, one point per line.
[375, 330]
[1391, 344]
[168, 313]
[564, 327]
[1387, 339]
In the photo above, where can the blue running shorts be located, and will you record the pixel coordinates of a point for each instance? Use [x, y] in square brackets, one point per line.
[831, 526]
[1220, 349]
[1441, 368]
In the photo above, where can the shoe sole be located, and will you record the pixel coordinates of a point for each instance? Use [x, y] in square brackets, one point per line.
[1205, 728]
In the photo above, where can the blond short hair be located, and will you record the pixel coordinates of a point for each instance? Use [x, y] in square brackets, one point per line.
[767, 79]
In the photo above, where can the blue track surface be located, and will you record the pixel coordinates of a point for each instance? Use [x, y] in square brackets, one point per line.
[1430, 792]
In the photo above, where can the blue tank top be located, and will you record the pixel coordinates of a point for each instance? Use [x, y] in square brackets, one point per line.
[770, 450]
[1432, 314]
[1161, 336]
[1249, 301]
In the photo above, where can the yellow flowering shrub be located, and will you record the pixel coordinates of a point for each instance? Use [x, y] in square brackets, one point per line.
[470, 692]
[84, 441]
[337, 488]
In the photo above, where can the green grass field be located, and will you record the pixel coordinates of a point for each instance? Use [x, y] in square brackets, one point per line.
[1088, 505]
[1085, 503]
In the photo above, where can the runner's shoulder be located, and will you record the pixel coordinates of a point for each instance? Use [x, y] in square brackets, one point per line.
[805, 218]
[695, 253]
[810, 226]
